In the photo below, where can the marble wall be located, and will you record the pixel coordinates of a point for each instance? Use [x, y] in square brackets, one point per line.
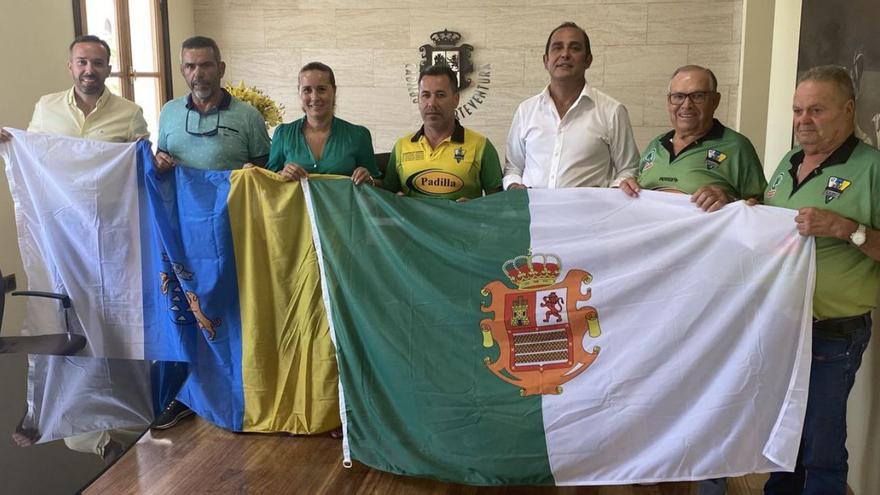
[369, 43]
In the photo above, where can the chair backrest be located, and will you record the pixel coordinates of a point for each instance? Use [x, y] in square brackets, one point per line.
[382, 161]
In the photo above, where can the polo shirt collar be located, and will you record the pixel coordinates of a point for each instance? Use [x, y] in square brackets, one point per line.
[715, 132]
[224, 102]
[456, 137]
[838, 156]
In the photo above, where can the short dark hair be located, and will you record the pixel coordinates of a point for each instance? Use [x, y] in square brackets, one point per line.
[202, 42]
[568, 24]
[318, 66]
[713, 81]
[441, 70]
[833, 74]
[89, 38]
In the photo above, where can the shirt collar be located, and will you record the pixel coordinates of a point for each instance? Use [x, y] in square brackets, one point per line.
[716, 132]
[102, 100]
[456, 137]
[224, 102]
[586, 92]
[838, 156]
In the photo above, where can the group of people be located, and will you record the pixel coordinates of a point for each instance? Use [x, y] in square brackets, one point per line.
[569, 135]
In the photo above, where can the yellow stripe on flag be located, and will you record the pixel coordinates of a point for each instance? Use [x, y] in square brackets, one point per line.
[289, 369]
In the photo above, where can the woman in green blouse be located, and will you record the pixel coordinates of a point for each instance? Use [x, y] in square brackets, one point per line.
[319, 142]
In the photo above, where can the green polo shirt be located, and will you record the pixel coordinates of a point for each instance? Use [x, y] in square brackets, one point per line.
[463, 165]
[224, 138]
[348, 147]
[847, 183]
[723, 157]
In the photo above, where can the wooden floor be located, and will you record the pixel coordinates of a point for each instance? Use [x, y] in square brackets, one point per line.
[197, 457]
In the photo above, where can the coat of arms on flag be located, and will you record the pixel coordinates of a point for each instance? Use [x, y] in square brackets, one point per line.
[539, 327]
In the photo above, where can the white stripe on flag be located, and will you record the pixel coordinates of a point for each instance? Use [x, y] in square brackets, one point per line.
[661, 419]
[77, 214]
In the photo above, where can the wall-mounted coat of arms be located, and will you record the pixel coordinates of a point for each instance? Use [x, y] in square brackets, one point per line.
[445, 52]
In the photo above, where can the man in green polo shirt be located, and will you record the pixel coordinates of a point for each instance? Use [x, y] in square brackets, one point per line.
[699, 156]
[833, 180]
[442, 159]
[209, 128]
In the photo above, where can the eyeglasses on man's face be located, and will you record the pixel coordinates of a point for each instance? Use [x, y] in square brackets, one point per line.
[696, 97]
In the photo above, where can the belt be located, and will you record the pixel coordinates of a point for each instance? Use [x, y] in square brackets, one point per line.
[841, 327]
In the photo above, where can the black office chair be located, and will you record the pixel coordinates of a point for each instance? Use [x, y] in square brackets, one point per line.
[382, 161]
[63, 344]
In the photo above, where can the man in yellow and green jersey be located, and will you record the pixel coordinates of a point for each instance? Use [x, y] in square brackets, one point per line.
[442, 159]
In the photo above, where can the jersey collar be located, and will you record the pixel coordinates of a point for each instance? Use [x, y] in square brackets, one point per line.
[457, 133]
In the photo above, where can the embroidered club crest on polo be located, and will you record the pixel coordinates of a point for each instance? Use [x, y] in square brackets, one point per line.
[835, 188]
[774, 185]
[459, 154]
[648, 161]
[714, 158]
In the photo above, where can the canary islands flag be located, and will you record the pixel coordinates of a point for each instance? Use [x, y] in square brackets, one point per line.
[573, 336]
[216, 269]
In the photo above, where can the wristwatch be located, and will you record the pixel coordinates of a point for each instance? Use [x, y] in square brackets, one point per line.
[858, 237]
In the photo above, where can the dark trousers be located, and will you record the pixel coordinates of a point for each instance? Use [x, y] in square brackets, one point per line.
[822, 467]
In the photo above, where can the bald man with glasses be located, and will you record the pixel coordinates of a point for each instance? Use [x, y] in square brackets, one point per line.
[699, 156]
[209, 128]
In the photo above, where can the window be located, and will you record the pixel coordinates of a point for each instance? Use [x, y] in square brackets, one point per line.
[139, 50]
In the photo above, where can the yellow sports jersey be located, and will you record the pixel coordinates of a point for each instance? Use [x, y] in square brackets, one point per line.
[463, 165]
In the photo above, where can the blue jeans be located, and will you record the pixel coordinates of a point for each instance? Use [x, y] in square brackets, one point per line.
[821, 467]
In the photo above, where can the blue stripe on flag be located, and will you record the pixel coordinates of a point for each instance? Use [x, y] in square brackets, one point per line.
[191, 289]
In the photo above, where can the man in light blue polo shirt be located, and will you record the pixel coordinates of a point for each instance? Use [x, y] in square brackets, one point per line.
[209, 128]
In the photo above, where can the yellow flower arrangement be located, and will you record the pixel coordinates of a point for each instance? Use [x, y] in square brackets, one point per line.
[271, 111]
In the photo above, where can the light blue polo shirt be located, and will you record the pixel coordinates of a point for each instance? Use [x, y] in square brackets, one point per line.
[224, 138]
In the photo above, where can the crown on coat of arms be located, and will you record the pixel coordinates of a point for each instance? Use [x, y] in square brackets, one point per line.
[445, 38]
[533, 270]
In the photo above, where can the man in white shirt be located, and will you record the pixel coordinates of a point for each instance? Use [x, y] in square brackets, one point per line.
[570, 135]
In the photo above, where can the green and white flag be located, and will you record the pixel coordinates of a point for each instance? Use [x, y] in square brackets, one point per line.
[565, 337]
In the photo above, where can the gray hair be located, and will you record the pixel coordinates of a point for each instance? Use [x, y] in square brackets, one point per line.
[833, 74]
[713, 81]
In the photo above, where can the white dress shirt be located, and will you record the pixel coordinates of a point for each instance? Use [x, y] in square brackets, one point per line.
[591, 146]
